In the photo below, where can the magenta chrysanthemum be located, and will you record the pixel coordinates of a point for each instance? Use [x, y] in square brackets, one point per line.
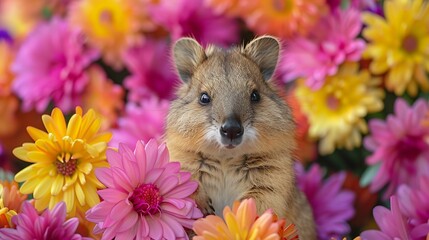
[151, 70]
[185, 18]
[318, 56]
[394, 225]
[398, 145]
[147, 197]
[50, 66]
[142, 121]
[414, 202]
[332, 206]
[48, 225]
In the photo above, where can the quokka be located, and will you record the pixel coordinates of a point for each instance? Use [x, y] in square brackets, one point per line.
[233, 132]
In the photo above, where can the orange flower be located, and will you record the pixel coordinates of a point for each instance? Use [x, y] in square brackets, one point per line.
[100, 87]
[283, 18]
[8, 102]
[10, 202]
[243, 223]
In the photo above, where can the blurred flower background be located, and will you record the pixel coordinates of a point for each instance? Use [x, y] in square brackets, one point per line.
[82, 77]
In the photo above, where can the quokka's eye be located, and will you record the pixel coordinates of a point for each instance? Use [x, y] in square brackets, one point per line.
[254, 96]
[204, 99]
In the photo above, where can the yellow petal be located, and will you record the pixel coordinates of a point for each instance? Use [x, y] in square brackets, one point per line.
[39, 157]
[85, 167]
[36, 134]
[43, 187]
[74, 126]
[29, 186]
[21, 153]
[69, 199]
[57, 185]
[26, 173]
[42, 203]
[91, 195]
[59, 120]
[51, 127]
[80, 194]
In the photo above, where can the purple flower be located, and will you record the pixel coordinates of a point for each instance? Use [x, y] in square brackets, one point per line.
[48, 225]
[151, 70]
[192, 18]
[141, 122]
[398, 145]
[332, 206]
[318, 56]
[50, 66]
[394, 225]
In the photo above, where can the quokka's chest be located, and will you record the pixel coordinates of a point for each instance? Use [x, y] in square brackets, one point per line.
[225, 181]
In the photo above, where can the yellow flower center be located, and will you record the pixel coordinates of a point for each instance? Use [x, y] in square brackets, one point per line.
[65, 165]
[410, 43]
[106, 16]
[282, 6]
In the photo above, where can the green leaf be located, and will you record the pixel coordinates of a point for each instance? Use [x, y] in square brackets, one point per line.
[369, 174]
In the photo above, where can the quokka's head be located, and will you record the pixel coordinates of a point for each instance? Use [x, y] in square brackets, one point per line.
[228, 102]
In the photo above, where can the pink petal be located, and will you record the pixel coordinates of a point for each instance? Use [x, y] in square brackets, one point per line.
[112, 195]
[105, 176]
[155, 228]
[141, 158]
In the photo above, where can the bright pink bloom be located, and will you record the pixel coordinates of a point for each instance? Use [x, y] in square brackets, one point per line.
[48, 225]
[152, 73]
[141, 122]
[146, 196]
[394, 225]
[398, 145]
[192, 18]
[332, 206]
[414, 202]
[50, 66]
[318, 56]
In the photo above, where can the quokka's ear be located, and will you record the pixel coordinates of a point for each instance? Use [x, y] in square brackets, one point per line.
[264, 51]
[187, 54]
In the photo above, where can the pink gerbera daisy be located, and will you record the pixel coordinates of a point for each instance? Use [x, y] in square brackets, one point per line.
[414, 202]
[192, 18]
[151, 70]
[318, 56]
[146, 196]
[394, 225]
[399, 147]
[50, 67]
[51, 224]
[332, 206]
[142, 121]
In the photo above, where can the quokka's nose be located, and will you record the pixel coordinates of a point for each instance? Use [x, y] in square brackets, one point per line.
[231, 129]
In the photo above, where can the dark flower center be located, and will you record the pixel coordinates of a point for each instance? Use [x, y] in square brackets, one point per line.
[106, 17]
[146, 199]
[410, 43]
[332, 102]
[66, 168]
[409, 148]
[283, 6]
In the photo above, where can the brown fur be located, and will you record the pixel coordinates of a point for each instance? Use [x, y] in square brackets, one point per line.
[261, 166]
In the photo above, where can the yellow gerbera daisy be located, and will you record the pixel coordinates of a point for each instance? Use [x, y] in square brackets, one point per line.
[399, 44]
[110, 25]
[336, 110]
[63, 161]
[283, 18]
